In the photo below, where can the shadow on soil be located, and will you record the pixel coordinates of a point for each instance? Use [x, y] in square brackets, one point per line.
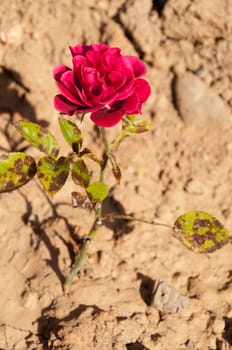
[39, 229]
[49, 326]
[14, 104]
[118, 226]
[227, 334]
[136, 346]
[14, 95]
[146, 288]
[158, 5]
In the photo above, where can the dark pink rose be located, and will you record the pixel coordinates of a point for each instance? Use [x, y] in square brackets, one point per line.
[102, 82]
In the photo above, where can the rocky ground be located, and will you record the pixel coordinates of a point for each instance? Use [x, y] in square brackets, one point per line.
[183, 164]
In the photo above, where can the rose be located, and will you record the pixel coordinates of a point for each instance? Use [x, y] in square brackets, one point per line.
[102, 82]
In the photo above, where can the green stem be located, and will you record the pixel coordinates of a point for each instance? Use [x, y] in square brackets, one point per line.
[82, 253]
[106, 155]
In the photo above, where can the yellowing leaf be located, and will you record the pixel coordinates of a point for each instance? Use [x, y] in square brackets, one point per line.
[38, 137]
[86, 152]
[16, 169]
[201, 232]
[80, 173]
[71, 133]
[133, 124]
[52, 174]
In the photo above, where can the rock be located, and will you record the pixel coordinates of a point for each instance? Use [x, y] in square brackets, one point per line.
[194, 187]
[198, 104]
[142, 24]
[190, 345]
[167, 299]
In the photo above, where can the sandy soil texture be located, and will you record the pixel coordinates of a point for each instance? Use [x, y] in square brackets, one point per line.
[184, 163]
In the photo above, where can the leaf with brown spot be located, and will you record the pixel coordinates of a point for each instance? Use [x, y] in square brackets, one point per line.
[16, 169]
[86, 152]
[72, 134]
[80, 173]
[81, 200]
[53, 174]
[38, 137]
[118, 140]
[115, 168]
[201, 232]
[132, 124]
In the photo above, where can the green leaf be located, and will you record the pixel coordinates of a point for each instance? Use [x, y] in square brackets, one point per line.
[53, 174]
[80, 173]
[201, 232]
[72, 134]
[16, 169]
[134, 125]
[97, 191]
[38, 137]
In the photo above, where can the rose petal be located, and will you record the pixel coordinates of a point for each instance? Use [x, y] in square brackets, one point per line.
[106, 118]
[137, 65]
[131, 105]
[67, 77]
[100, 47]
[69, 90]
[63, 105]
[79, 61]
[90, 76]
[65, 82]
[109, 96]
[94, 59]
[83, 49]
[79, 49]
[142, 88]
[126, 90]
[112, 59]
[59, 71]
[92, 87]
[114, 78]
[71, 93]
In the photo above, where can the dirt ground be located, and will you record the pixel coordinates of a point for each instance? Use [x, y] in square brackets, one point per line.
[183, 164]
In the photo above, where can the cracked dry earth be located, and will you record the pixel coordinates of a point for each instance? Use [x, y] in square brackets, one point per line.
[183, 164]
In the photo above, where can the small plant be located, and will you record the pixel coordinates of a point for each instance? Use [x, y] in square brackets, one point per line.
[108, 86]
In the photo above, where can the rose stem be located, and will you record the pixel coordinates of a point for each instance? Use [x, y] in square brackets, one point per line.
[82, 253]
[113, 216]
